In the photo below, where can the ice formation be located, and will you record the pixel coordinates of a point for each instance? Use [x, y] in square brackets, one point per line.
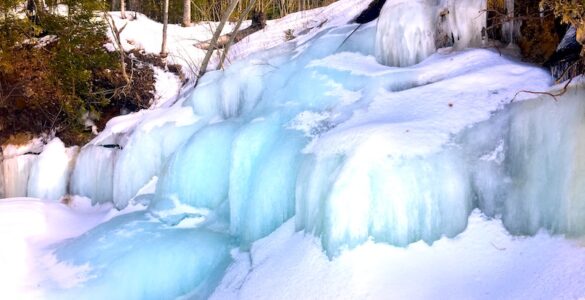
[93, 173]
[16, 164]
[49, 175]
[357, 150]
[533, 176]
[136, 257]
[410, 31]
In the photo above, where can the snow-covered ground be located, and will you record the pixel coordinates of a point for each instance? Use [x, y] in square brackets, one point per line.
[27, 227]
[483, 262]
[312, 171]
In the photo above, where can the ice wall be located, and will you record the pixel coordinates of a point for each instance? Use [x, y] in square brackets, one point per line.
[393, 200]
[149, 146]
[467, 21]
[93, 174]
[15, 164]
[533, 174]
[16, 174]
[49, 174]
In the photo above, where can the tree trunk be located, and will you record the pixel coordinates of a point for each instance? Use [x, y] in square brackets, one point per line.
[163, 50]
[215, 37]
[123, 9]
[234, 35]
[186, 13]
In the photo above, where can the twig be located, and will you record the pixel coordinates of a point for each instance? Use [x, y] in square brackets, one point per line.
[497, 248]
[554, 96]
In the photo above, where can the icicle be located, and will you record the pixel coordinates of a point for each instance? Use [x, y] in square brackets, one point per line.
[509, 29]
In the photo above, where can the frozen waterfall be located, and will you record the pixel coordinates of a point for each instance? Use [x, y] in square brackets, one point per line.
[360, 132]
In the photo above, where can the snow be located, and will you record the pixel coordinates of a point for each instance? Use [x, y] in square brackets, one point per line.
[29, 225]
[483, 262]
[166, 86]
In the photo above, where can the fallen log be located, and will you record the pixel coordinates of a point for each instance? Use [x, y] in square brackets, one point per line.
[258, 23]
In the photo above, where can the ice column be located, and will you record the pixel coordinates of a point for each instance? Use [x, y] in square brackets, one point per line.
[93, 173]
[410, 31]
[16, 172]
[49, 177]
[406, 32]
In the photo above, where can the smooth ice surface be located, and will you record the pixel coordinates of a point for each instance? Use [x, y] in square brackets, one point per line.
[198, 173]
[49, 174]
[134, 256]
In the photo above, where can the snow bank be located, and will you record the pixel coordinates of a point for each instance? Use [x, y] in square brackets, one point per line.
[483, 262]
[29, 225]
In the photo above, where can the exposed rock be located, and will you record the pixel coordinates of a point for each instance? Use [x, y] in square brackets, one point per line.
[371, 13]
[539, 34]
[567, 62]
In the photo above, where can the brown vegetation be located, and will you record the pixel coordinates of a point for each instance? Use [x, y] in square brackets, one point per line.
[33, 101]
